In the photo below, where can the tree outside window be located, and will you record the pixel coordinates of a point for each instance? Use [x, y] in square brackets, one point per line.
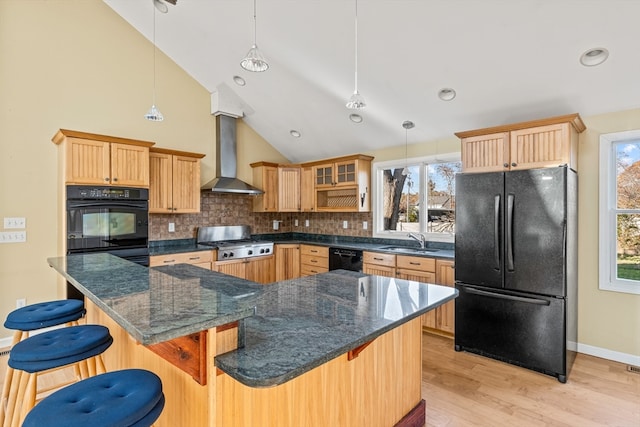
[628, 210]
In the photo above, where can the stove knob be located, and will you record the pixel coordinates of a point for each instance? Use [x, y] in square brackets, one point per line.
[267, 250]
[230, 254]
[250, 252]
[262, 250]
[225, 255]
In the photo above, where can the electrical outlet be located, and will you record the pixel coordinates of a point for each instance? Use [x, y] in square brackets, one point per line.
[365, 225]
[13, 236]
[172, 227]
[306, 222]
[15, 223]
[295, 222]
[21, 302]
[345, 224]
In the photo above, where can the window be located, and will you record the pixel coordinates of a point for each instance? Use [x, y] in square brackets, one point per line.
[416, 196]
[620, 212]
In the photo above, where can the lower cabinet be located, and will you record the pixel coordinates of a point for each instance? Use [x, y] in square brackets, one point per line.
[313, 259]
[287, 261]
[429, 270]
[259, 269]
[198, 258]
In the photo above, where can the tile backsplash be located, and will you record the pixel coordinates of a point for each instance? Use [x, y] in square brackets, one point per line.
[234, 209]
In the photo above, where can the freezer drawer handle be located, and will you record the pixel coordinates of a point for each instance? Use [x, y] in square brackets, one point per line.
[508, 297]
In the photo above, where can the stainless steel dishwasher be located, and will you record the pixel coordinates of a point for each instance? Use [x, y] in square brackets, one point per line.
[346, 259]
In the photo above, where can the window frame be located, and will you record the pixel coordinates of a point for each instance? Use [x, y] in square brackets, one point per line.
[608, 211]
[377, 175]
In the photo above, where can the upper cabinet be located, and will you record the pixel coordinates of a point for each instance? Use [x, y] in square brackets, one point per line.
[333, 185]
[540, 143]
[91, 159]
[174, 181]
[343, 184]
[265, 177]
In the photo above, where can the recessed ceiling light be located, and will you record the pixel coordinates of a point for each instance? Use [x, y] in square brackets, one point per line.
[594, 57]
[355, 118]
[294, 133]
[239, 81]
[446, 94]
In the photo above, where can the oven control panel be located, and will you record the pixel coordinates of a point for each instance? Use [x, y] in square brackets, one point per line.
[83, 192]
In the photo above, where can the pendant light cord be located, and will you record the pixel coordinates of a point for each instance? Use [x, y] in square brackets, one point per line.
[356, 47]
[154, 56]
[255, 26]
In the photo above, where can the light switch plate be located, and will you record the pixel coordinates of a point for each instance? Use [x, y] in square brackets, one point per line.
[365, 225]
[172, 227]
[15, 223]
[345, 224]
[13, 236]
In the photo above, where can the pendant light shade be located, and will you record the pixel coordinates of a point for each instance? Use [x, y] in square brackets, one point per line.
[154, 114]
[356, 102]
[254, 61]
[407, 124]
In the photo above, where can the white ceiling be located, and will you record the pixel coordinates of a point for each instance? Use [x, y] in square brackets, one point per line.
[508, 60]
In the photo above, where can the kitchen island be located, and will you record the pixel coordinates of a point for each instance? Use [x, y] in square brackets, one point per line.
[340, 348]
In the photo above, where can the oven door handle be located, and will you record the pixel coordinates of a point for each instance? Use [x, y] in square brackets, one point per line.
[92, 204]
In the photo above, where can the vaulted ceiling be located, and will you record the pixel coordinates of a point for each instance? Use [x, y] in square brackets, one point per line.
[507, 60]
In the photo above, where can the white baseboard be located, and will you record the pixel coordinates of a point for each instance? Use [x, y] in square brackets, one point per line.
[604, 353]
[6, 342]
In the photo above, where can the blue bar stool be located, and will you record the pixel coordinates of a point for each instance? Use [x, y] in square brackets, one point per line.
[126, 398]
[31, 318]
[44, 352]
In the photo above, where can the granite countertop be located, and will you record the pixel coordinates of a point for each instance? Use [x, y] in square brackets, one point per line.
[303, 323]
[290, 327]
[163, 303]
[440, 250]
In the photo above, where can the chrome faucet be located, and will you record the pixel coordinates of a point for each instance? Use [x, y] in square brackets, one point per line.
[420, 238]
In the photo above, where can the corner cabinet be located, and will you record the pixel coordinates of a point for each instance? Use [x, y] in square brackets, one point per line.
[535, 144]
[174, 181]
[343, 184]
[265, 177]
[91, 159]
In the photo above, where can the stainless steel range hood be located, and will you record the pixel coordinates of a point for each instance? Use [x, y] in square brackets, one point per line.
[226, 161]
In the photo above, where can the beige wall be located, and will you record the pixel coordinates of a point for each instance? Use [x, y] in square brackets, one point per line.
[77, 65]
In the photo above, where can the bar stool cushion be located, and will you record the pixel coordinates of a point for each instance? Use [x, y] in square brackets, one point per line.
[126, 398]
[59, 347]
[44, 314]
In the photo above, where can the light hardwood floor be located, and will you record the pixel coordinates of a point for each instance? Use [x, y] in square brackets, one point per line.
[463, 389]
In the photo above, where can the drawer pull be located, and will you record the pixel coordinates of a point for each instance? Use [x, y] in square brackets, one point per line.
[314, 251]
[378, 259]
[313, 260]
[194, 258]
[415, 263]
[167, 261]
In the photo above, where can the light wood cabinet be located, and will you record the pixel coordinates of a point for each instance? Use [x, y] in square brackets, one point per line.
[287, 261]
[379, 264]
[289, 188]
[535, 144]
[257, 269]
[313, 259]
[198, 258]
[174, 181]
[343, 184]
[445, 275]
[307, 190]
[91, 159]
[265, 177]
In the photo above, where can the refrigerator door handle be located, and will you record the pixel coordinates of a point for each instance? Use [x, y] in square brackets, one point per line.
[535, 301]
[496, 228]
[510, 266]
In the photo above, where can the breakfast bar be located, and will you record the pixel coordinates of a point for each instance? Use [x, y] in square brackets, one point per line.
[338, 348]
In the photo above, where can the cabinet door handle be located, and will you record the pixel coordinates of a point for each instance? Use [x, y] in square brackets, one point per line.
[115, 179]
[506, 165]
[106, 179]
[514, 164]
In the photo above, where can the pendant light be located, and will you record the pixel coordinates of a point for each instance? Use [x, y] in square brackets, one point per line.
[154, 114]
[254, 61]
[356, 102]
[407, 124]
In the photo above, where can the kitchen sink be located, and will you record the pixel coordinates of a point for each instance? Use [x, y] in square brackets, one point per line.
[407, 250]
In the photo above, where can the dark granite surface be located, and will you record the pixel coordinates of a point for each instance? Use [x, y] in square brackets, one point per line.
[291, 326]
[161, 303]
[303, 323]
[441, 249]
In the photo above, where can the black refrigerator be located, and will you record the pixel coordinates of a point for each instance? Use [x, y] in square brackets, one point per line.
[516, 267]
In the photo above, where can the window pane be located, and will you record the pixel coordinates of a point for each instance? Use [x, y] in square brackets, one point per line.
[401, 199]
[441, 197]
[628, 175]
[628, 247]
